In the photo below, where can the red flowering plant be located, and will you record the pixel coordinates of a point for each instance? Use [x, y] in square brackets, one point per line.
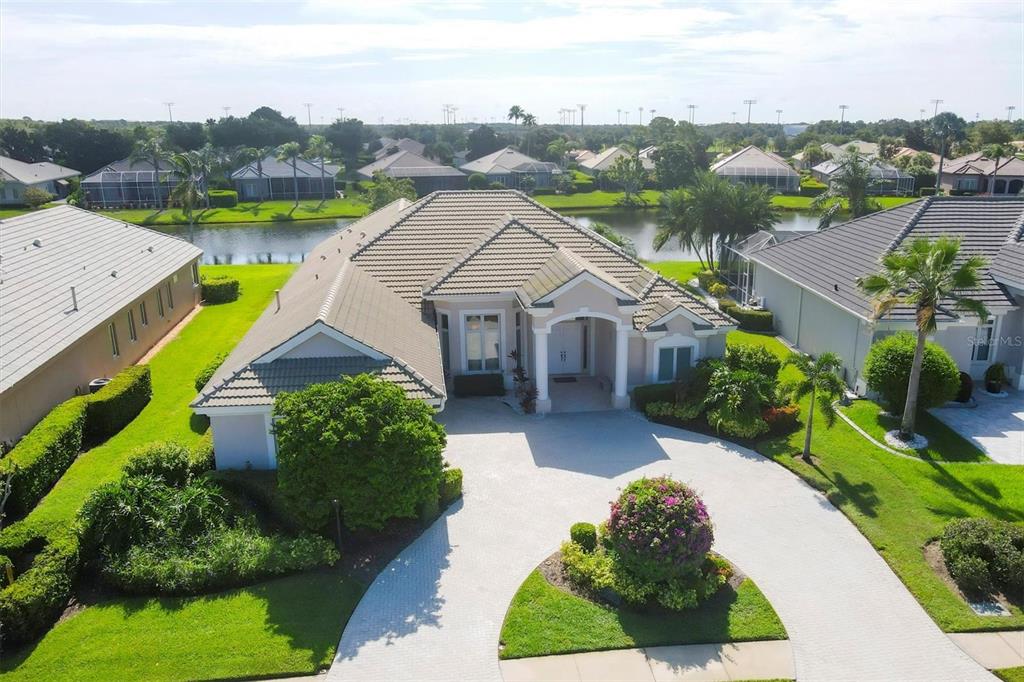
[659, 529]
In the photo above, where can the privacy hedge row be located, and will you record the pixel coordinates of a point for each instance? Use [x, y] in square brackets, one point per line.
[983, 555]
[478, 385]
[223, 198]
[44, 454]
[219, 289]
[115, 405]
[30, 605]
[652, 393]
[749, 319]
[207, 372]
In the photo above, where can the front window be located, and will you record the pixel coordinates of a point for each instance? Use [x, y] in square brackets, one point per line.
[969, 184]
[133, 335]
[446, 341]
[673, 362]
[114, 349]
[195, 274]
[483, 342]
[160, 302]
[170, 296]
[981, 351]
[143, 313]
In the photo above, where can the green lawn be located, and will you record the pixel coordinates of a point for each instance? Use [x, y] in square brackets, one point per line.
[798, 203]
[680, 270]
[288, 626]
[592, 200]
[901, 504]
[544, 620]
[262, 212]
[11, 212]
[944, 444]
[1010, 674]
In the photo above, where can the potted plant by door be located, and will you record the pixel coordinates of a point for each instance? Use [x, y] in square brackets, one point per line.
[995, 377]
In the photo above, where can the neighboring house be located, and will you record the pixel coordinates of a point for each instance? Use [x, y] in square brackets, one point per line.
[911, 152]
[739, 274]
[129, 184]
[81, 297]
[977, 174]
[599, 163]
[833, 151]
[403, 145]
[648, 154]
[16, 176]
[509, 166]
[425, 174]
[810, 283]
[277, 180]
[754, 166]
[450, 285]
[579, 155]
[885, 177]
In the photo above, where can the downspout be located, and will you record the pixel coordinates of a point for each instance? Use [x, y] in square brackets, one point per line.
[799, 318]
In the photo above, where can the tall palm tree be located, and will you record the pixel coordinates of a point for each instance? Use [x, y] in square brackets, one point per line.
[189, 190]
[320, 148]
[930, 276]
[205, 158]
[851, 181]
[820, 380]
[152, 150]
[290, 152]
[515, 113]
[675, 222]
[995, 151]
[529, 121]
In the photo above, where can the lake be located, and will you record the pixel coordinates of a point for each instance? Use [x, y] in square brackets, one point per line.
[289, 242]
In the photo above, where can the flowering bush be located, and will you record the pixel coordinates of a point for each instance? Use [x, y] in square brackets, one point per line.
[659, 529]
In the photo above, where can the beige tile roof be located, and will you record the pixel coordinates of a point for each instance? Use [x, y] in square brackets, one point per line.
[662, 297]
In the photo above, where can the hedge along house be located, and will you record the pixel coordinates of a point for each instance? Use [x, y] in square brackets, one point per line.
[17, 176]
[423, 293]
[885, 178]
[426, 175]
[810, 283]
[754, 166]
[81, 297]
[978, 174]
[130, 184]
[508, 167]
[273, 179]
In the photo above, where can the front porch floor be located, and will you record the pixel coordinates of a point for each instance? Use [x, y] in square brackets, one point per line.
[585, 394]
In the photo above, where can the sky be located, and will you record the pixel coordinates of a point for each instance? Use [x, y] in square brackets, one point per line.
[402, 60]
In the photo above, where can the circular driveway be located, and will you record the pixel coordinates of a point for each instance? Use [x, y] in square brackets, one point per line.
[436, 611]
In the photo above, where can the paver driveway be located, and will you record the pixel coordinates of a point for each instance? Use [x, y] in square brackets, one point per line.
[435, 613]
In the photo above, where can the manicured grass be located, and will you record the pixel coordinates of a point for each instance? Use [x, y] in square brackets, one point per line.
[288, 626]
[544, 620]
[1010, 674]
[799, 203]
[592, 200]
[680, 270]
[11, 212]
[944, 444]
[901, 504]
[262, 212]
[215, 329]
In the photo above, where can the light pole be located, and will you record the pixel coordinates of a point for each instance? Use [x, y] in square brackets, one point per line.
[341, 113]
[750, 103]
[842, 116]
[618, 117]
[936, 102]
[170, 117]
[641, 115]
[226, 110]
[1009, 112]
[625, 114]
[309, 114]
[734, 117]
[583, 107]
[922, 113]
[653, 112]
[778, 117]
[691, 107]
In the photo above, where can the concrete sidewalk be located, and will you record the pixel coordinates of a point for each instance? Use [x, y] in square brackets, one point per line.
[994, 650]
[708, 662]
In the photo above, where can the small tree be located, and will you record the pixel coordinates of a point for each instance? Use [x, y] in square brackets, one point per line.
[628, 173]
[813, 154]
[887, 373]
[386, 189]
[35, 197]
[362, 442]
[851, 182]
[188, 192]
[822, 383]
[477, 181]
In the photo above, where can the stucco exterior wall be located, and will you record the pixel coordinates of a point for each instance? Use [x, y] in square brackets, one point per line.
[91, 357]
[457, 310]
[1011, 344]
[241, 441]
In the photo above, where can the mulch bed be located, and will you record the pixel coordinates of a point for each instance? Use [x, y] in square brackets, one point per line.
[933, 557]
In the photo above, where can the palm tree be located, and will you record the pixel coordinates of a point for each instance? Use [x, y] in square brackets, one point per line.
[515, 113]
[851, 181]
[930, 276]
[320, 148]
[246, 155]
[820, 381]
[529, 120]
[995, 151]
[290, 152]
[205, 158]
[152, 150]
[188, 192]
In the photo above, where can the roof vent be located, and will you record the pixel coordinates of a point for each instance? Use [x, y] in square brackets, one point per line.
[37, 242]
[149, 248]
[836, 287]
[113, 273]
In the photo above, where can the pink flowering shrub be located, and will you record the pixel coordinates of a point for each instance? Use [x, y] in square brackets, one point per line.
[659, 529]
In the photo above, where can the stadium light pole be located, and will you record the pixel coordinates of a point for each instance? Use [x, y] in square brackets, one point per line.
[691, 107]
[1009, 112]
[170, 117]
[936, 102]
[750, 104]
[309, 114]
[341, 113]
[842, 116]
[583, 107]
[778, 117]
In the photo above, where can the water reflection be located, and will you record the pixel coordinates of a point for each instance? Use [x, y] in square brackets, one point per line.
[250, 243]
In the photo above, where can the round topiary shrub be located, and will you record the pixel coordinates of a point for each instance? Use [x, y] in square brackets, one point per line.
[584, 534]
[659, 529]
[887, 372]
[477, 181]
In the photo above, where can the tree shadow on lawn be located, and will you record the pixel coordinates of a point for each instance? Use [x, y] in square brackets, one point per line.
[941, 476]
[706, 624]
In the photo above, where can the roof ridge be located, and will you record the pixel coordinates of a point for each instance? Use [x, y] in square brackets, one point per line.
[416, 207]
[415, 374]
[910, 225]
[332, 291]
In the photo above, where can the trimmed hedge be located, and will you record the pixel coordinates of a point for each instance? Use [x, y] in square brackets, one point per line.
[451, 486]
[465, 385]
[44, 454]
[652, 393]
[207, 372]
[30, 605]
[223, 198]
[984, 554]
[749, 319]
[115, 405]
[584, 534]
[219, 289]
[887, 372]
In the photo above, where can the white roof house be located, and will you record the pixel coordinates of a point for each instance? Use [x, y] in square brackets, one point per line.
[16, 176]
[754, 166]
[605, 159]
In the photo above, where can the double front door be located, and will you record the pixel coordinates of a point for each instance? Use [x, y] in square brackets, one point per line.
[565, 348]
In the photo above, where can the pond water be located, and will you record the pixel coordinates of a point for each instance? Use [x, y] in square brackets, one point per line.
[289, 242]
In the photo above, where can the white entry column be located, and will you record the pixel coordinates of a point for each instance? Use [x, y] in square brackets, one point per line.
[620, 400]
[540, 367]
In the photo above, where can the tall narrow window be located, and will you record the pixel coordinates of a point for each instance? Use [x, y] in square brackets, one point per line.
[133, 335]
[170, 297]
[195, 274]
[444, 331]
[113, 339]
[982, 349]
[160, 302]
[143, 314]
[483, 342]
[520, 346]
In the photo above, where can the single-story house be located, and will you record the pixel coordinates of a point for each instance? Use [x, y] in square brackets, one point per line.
[911, 152]
[428, 176]
[977, 174]
[129, 184]
[810, 283]
[598, 163]
[738, 270]
[834, 151]
[406, 144]
[885, 177]
[423, 292]
[16, 176]
[648, 153]
[754, 166]
[579, 155]
[81, 297]
[509, 166]
[273, 179]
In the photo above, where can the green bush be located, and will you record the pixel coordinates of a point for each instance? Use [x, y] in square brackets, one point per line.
[258, 489]
[651, 393]
[926, 192]
[451, 486]
[751, 319]
[971, 574]
[809, 187]
[44, 454]
[223, 198]
[171, 462]
[995, 377]
[753, 358]
[705, 278]
[219, 289]
[477, 181]
[982, 554]
[887, 372]
[466, 385]
[115, 405]
[31, 604]
[783, 419]
[662, 411]
[718, 289]
[362, 442]
[206, 373]
[584, 534]
[736, 400]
